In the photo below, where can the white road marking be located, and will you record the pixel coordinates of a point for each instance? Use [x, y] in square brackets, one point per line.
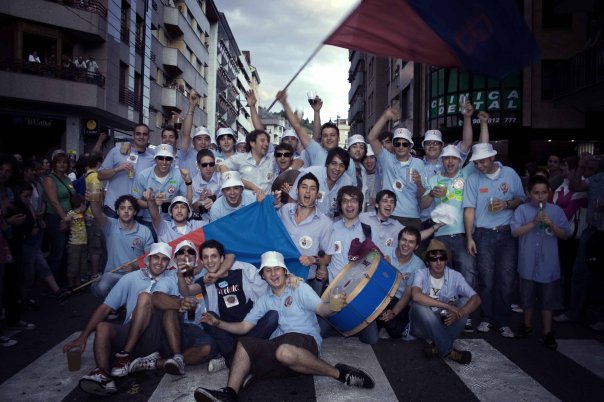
[586, 352]
[181, 388]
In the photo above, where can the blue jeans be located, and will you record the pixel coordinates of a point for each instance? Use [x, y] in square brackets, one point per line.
[427, 325]
[496, 258]
[462, 262]
[58, 241]
[34, 265]
[103, 286]
[581, 277]
[226, 341]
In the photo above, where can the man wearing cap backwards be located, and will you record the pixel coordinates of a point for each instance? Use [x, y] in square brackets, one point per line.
[140, 334]
[126, 240]
[294, 346]
[447, 187]
[234, 197]
[164, 181]
[400, 170]
[116, 167]
[225, 137]
[442, 300]
[310, 230]
[199, 138]
[490, 197]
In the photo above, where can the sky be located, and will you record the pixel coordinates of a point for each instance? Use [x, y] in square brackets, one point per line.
[281, 35]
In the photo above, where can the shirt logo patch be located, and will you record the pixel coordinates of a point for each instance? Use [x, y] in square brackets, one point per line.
[171, 189]
[337, 247]
[457, 184]
[136, 242]
[288, 301]
[504, 188]
[320, 196]
[305, 242]
[397, 185]
[484, 190]
[389, 242]
[269, 176]
[223, 284]
[230, 301]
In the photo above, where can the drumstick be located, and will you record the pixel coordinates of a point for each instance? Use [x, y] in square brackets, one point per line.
[83, 285]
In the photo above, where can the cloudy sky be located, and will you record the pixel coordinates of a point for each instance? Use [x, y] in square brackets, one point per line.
[281, 35]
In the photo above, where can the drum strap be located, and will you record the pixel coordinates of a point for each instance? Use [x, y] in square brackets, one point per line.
[366, 230]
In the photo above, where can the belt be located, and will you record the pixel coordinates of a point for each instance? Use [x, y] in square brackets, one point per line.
[502, 228]
[452, 236]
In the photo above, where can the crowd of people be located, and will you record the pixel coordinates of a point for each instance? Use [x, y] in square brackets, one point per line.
[77, 68]
[468, 235]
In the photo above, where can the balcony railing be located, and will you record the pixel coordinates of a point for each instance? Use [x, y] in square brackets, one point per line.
[52, 71]
[582, 71]
[129, 98]
[92, 6]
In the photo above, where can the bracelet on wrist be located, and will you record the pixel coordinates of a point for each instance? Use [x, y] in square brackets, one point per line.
[188, 183]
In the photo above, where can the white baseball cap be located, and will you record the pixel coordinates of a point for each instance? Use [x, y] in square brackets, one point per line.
[356, 139]
[201, 130]
[450, 150]
[231, 178]
[403, 133]
[482, 150]
[225, 131]
[159, 248]
[164, 150]
[433, 135]
[370, 151]
[273, 259]
[183, 200]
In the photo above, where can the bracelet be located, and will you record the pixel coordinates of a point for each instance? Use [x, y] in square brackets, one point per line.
[188, 183]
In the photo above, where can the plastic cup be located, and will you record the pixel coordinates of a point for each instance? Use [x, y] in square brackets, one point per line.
[491, 206]
[336, 300]
[191, 311]
[311, 95]
[74, 358]
[410, 174]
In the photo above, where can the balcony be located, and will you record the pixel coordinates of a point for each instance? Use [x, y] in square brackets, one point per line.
[357, 110]
[174, 60]
[174, 20]
[173, 98]
[579, 80]
[357, 84]
[52, 71]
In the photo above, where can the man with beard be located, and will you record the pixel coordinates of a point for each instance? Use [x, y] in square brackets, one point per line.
[490, 197]
[331, 179]
[310, 230]
[234, 197]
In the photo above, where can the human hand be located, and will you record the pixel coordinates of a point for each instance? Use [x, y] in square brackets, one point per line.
[471, 247]
[317, 105]
[468, 109]
[293, 281]
[79, 342]
[17, 219]
[438, 191]
[321, 274]
[250, 98]
[483, 117]
[307, 260]
[148, 195]
[209, 278]
[185, 175]
[392, 113]
[387, 315]
[210, 319]
[193, 98]
[282, 96]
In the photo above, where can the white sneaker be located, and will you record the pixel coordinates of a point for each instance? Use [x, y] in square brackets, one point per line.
[562, 317]
[469, 327]
[175, 365]
[484, 327]
[516, 308]
[146, 363]
[384, 334]
[506, 332]
[216, 365]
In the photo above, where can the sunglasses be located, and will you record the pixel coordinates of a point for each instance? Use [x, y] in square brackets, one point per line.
[210, 164]
[431, 143]
[164, 158]
[437, 258]
[185, 251]
[283, 154]
[403, 144]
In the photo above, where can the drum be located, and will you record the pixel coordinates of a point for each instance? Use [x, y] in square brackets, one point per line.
[369, 284]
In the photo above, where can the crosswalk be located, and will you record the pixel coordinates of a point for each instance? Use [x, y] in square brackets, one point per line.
[394, 365]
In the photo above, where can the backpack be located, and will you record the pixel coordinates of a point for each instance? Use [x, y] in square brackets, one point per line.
[80, 184]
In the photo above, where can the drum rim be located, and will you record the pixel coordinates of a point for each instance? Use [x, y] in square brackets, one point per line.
[358, 288]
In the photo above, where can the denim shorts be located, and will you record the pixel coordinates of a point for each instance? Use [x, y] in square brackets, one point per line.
[545, 296]
[193, 335]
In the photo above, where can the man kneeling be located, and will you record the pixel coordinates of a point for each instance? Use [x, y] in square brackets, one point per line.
[294, 346]
[442, 301]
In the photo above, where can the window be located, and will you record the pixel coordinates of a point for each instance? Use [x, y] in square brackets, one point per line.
[125, 23]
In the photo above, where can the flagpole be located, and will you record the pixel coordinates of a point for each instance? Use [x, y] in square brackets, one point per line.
[313, 54]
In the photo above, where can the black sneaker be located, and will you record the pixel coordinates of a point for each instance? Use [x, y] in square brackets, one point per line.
[524, 331]
[354, 377]
[215, 395]
[549, 340]
[460, 356]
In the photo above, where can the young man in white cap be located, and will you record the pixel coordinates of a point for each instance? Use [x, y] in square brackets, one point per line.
[192, 140]
[140, 334]
[294, 346]
[225, 137]
[241, 146]
[490, 197]
[234, 196]
[164, 181]
[179, 223]
[290, 137]
[401, 171]
[357, 149]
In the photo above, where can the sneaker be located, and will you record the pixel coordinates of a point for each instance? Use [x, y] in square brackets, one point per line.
[21, 325]
[484, 327]
[549, 341]
[121, 364]
[506, 332]
[216, 365]
[215, 395]
[516, 308]
[113, 315]
[146, 363]
[562, 317]
[7, 342]
[384, 334]
[175, 365]
[98, 383]
[407, 335]
[430, 350]
[524, 331]
[352, 376]
[62, 295]
[460, 356]
[469, 327]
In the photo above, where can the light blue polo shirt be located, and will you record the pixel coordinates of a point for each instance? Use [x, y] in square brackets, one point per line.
[221, 208]
[326, 199]
[168, 284]
[124, 246]
[262, 175]
[395, 176]
[188, 160]
[454, 197]
[296, 309]
[213, 186]
[126, 290]
[479, 189]
[166, 231]
[430, 170]
[120, 184]
[383, 234]
[173, 185]
[317, 155]
[343, 236]
[538, 248]
[454, 285]
[407, 270]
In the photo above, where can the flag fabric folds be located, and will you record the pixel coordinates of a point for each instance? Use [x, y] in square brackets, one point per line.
[482, 37]
[248, 233]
